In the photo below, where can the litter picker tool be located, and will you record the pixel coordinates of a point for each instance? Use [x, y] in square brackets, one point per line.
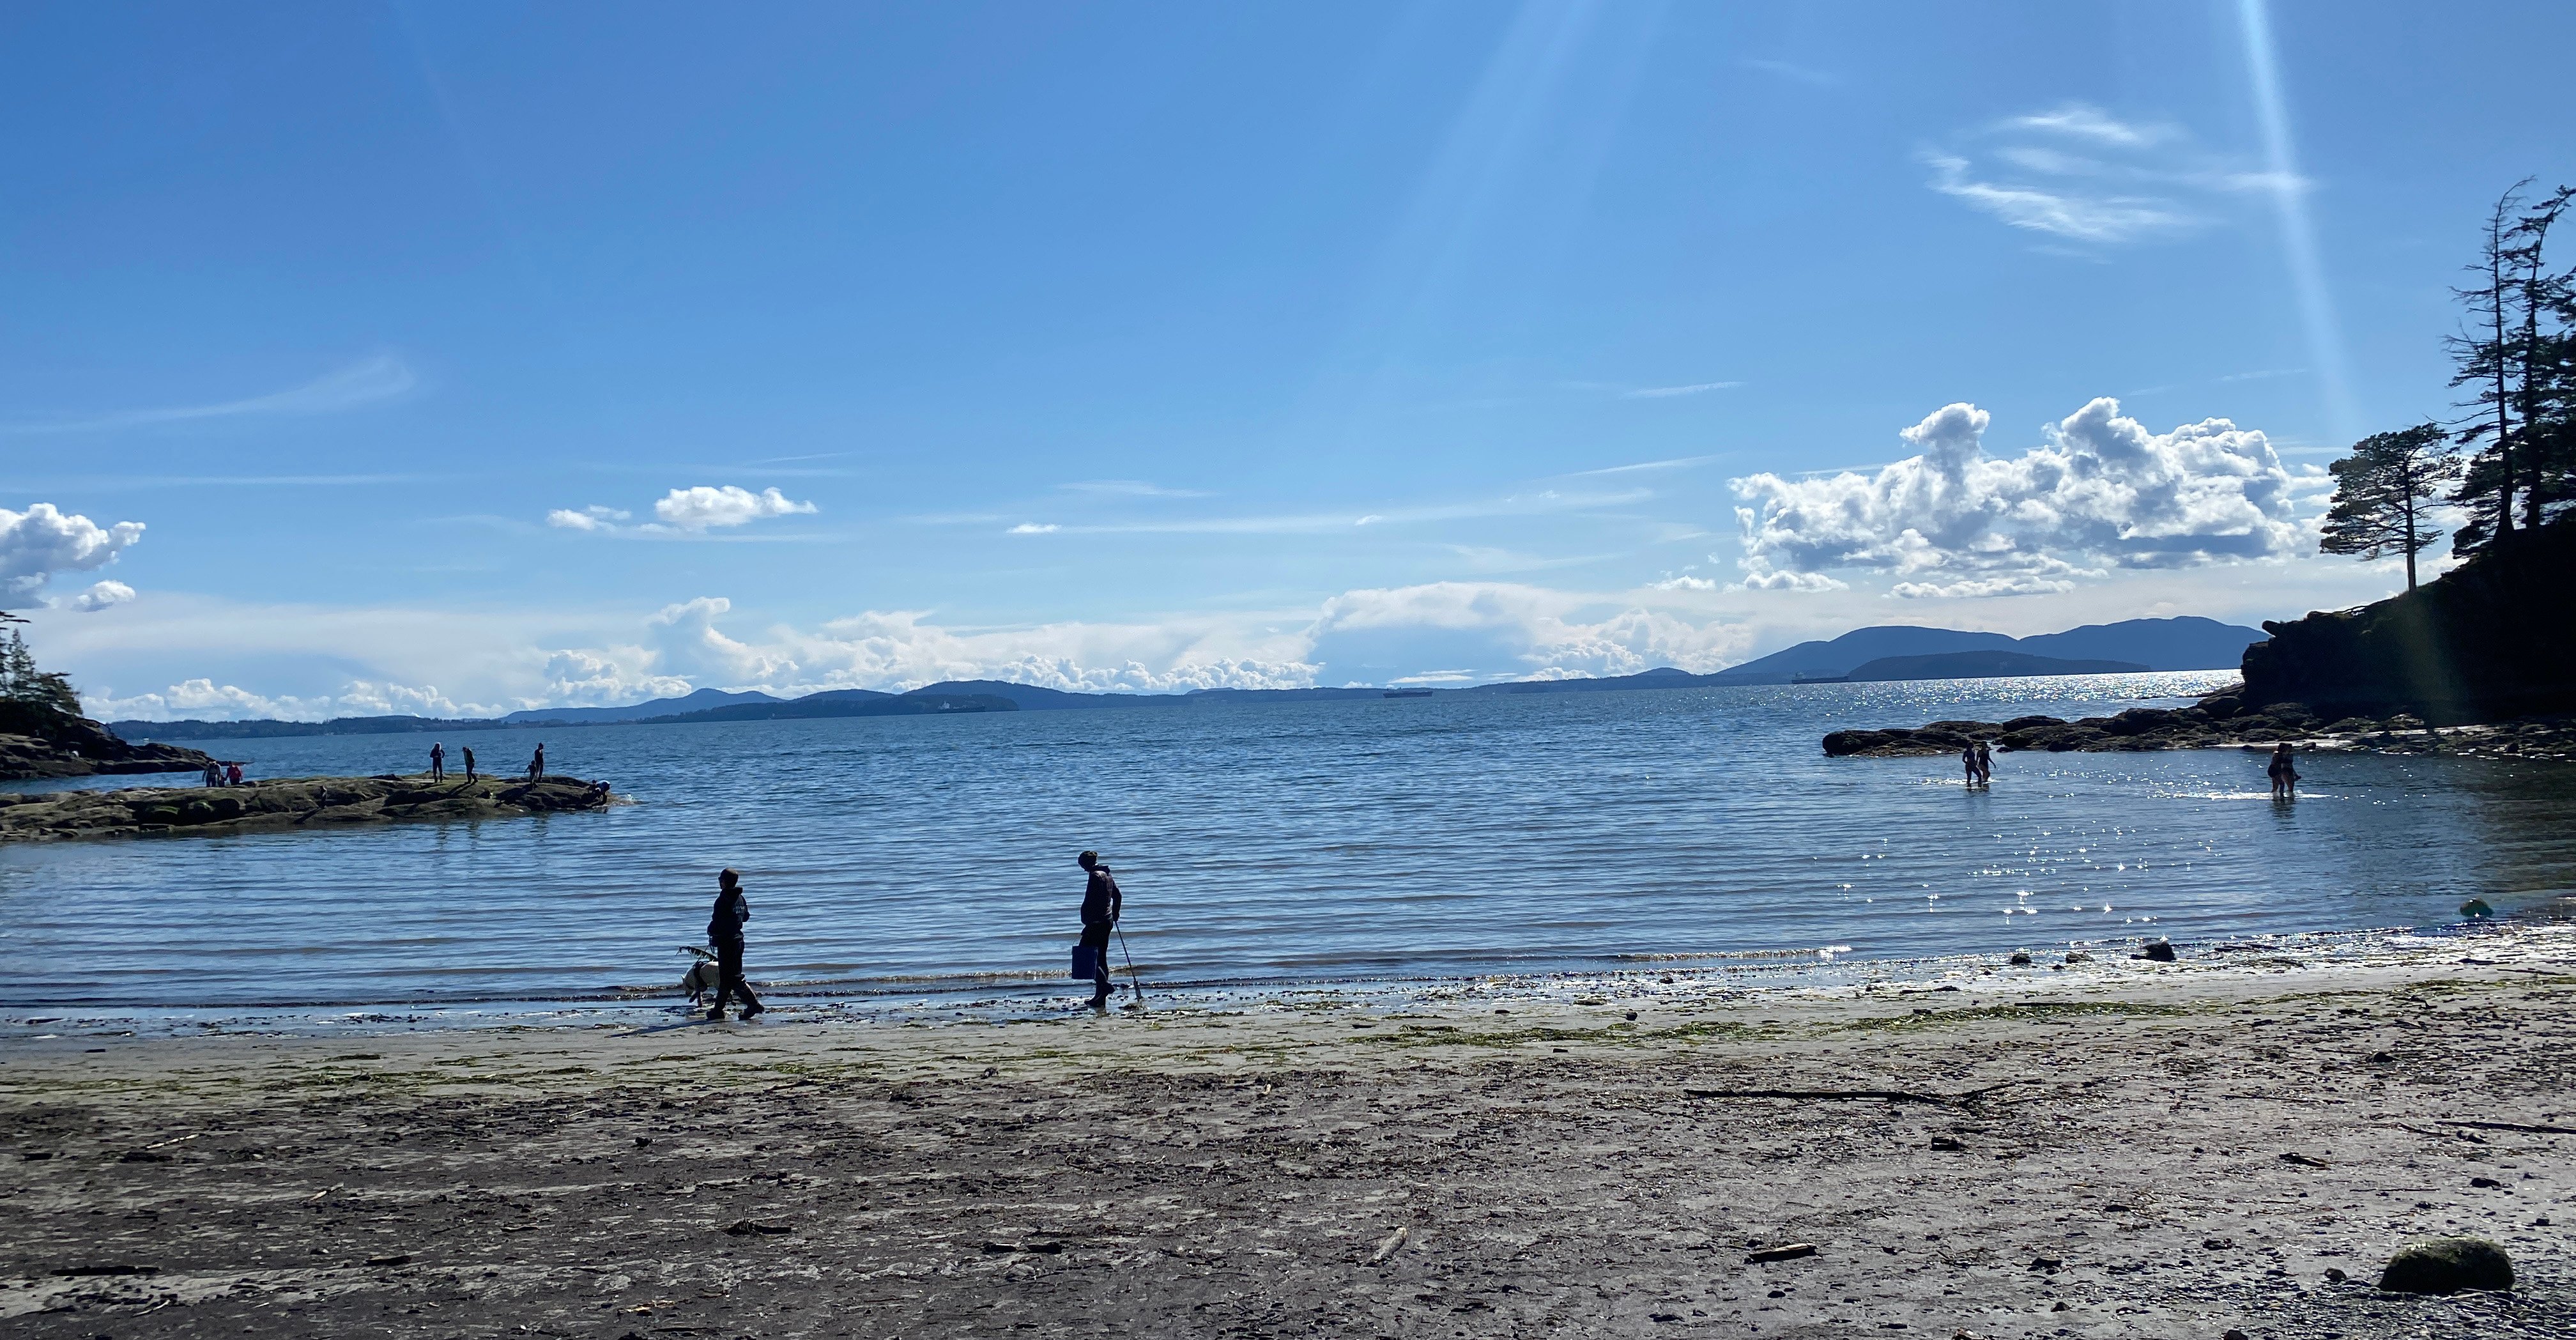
[1132, 978]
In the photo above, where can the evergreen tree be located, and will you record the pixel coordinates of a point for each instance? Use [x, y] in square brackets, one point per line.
[2486, 358]
[22, 682]
[2548, 366]
[2385, 492]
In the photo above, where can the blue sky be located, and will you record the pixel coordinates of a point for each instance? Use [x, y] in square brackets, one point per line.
[447, 356]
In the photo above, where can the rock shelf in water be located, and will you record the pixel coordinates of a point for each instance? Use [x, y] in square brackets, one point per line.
[2217, 722]
[301, 802]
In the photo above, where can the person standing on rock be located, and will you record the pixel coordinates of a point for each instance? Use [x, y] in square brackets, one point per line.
[724, 931]
[1101, 904]
[537, 765]
[437, 762]
[2285, 774]
[469, 765]
[214, 773]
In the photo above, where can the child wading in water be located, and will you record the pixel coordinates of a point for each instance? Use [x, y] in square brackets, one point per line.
[2285, 774]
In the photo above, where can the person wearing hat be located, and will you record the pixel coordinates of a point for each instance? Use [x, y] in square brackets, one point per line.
[724, 931]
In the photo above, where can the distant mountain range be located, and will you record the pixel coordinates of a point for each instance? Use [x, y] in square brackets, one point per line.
[2154, 644]
[1882, 653]
[1979, 665]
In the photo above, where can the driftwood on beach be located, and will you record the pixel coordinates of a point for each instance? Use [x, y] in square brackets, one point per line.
[302, 802]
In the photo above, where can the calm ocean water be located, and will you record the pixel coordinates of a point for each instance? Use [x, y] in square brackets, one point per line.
[1398, 838]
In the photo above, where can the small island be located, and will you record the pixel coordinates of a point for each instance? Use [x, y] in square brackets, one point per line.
[2481, 660]
[301, 802]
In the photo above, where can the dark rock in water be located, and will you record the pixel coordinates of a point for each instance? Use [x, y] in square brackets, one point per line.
[2021, 959]
[2448, 1265]
[2476, 908]
[304, 802]
[2486, 640]
[2078, 956]
[38, 741]
[2159, 950]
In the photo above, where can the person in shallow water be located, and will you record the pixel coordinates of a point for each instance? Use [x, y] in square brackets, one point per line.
[1101, 903]
[2285, 774]
[724, 931]
[1968, 762]
[437, 761]
[1985, 764]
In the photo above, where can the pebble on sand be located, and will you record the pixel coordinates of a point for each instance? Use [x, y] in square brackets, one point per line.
[2448, 1265]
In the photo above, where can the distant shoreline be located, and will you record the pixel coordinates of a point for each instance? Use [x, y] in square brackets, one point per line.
[973, 697]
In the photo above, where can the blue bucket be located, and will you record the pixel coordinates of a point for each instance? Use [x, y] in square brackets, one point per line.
[1086, 963]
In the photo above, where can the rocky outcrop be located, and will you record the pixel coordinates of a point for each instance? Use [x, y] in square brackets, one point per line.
[2219, 721]
[2491, 639]
[305, 802]
[38, 741]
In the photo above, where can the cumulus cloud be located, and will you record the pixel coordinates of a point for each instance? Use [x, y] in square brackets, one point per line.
[703, 507]
[102, 595]
[689, 511]
[2079, 173]
[2101, 492]
[1508, 630]
[37, 543]
[204, 699]
[593, 517]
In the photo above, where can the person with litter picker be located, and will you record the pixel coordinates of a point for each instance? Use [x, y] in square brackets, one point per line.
[1101, 903]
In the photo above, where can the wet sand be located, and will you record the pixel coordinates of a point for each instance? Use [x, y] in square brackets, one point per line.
[2128, 1150]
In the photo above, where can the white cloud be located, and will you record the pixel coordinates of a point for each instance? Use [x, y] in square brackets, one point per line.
[1507, 630]
[37, 543]
[1683, 582]
[204, 699]
[1032, 528]
[1764, 579]
[689, 511]
[2102, 492]
[2079, 173]
[2082, 215]
[593, 517]
[2091, 123]
[100, 596]
[380, 378]
[703, 507]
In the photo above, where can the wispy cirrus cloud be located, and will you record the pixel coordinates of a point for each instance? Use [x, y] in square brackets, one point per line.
[381, 378]
[1667, 392]
[2079, 173]
[1129, 488]
[1309, 523]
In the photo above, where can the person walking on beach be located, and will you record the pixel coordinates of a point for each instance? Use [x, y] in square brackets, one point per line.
[1985, 764]
[537, 765]
[2285, 774]
[469, 765]
[1101, 904]
[437, 762]
[724, 931]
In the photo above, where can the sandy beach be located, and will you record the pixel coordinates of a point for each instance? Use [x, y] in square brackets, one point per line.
[2115, 1149]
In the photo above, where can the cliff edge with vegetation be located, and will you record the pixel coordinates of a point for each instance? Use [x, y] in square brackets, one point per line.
[2491, 639]
[37, 740]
